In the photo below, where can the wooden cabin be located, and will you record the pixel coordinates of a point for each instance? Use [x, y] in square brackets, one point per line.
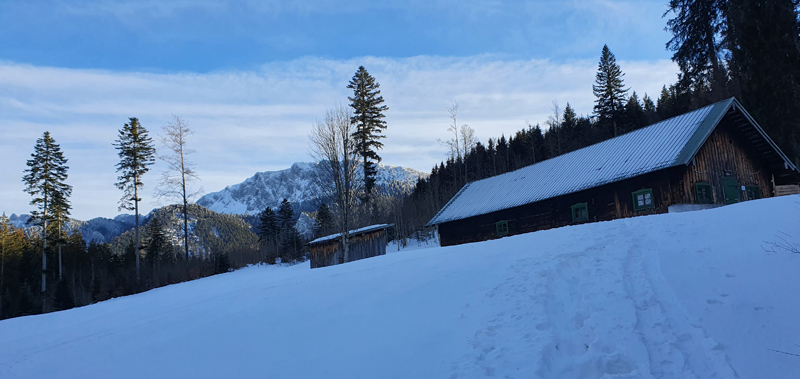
[362, 243]
[709, 157]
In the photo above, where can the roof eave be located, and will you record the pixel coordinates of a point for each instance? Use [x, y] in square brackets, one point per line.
[703, 131]
[764, 134]
[434, 221]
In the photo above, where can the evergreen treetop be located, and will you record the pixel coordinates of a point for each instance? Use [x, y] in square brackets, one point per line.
[368, 108]
[268, 225]
[285, 215]
[136, 153]
[698, 27]
[45, 180]
[324, 220]
[609, 90]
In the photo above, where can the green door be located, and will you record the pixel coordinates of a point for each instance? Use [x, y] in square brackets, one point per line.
[731, 190]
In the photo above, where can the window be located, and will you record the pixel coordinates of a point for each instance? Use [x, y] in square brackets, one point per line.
[753, 192]
[643, 199]
[580, 212]
[502, 228]
[703, 191]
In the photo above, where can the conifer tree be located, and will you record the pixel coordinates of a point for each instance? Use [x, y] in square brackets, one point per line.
[764, 38]
[610, 91]
[136, 153]
[45, 181]
[289, 238]
[634, 113]
[697, 28]
[324, 220]
[59, 208]
[157, 246]
[10, 243]
[649, 108]
[268, 226]
[368, 108]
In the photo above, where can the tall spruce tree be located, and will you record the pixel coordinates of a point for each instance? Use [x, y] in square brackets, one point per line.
[289, 237]
[368, 108]
[268, 227]
[698, 28]
[136, 153]
[610, 92]
[764, 38]
[45, 180]
[59, 208]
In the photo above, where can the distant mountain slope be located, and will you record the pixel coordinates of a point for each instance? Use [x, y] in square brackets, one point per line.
[98, 229]
[296, 184]
[209, 231]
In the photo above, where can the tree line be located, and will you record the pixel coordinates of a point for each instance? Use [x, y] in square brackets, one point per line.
[45, 180]
[742, 48]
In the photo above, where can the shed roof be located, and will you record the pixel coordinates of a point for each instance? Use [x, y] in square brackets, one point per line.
[353, 232]
[669, 143]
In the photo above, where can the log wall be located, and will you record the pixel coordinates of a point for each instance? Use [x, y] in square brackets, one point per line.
[723, 155]
[366, 245]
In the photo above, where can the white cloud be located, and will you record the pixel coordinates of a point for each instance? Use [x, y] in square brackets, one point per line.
[248, 121]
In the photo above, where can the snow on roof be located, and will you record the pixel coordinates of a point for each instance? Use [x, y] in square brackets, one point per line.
[665, 144]
[363, 230]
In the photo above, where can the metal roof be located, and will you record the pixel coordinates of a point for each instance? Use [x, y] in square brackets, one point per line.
[668, 143]
[354, 232]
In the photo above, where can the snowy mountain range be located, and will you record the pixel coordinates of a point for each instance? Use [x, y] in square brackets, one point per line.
[98, 229]
[297, 185]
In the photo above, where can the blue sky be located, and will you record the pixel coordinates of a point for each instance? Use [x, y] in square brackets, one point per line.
[202, 36]
[251, 77]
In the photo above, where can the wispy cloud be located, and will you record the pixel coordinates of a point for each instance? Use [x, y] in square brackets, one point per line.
[249, 121]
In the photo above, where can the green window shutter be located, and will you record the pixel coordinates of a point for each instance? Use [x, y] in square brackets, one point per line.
[502, 228]
[580, 212]
[753, 192]
[731, 189]
[643, 199]
[703, 191]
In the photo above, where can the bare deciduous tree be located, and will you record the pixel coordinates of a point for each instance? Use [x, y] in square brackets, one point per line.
[453, 144]
[468, 141]
[333, 146]
[180, 172]
[554, 124]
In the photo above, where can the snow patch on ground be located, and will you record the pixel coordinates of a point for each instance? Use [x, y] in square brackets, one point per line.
[684, 295]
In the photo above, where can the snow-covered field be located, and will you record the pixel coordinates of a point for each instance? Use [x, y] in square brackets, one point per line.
[669, 296]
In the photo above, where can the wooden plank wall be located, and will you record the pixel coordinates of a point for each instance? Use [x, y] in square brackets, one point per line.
[605, 203]
[367, 245]
[325, 254]
[723, 154]
[362, 246]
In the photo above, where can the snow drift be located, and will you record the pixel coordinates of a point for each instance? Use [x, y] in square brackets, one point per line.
[687, 295]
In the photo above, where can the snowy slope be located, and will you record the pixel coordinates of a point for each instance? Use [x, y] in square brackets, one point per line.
[297, 184]
[687, 295]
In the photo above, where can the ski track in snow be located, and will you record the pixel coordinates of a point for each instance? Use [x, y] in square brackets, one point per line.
[559, 303]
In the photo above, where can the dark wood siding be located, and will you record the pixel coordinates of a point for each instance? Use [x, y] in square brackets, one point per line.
[366, 245]
[604, 203]
[723, 155]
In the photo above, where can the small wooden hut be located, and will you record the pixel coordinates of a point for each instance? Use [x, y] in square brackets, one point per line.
[362, 243]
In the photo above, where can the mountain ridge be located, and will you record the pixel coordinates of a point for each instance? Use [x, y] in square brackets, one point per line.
[297, 184]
